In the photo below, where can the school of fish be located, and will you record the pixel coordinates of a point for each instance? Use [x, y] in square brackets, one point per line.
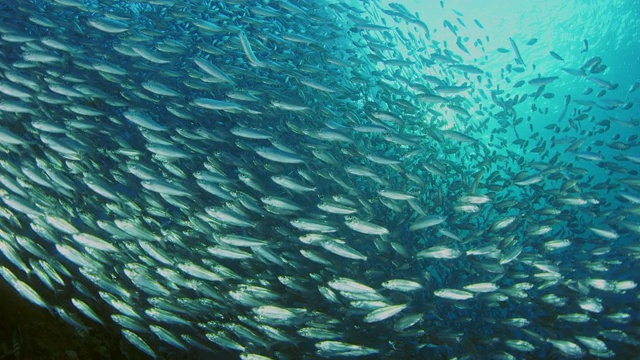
[299, 179]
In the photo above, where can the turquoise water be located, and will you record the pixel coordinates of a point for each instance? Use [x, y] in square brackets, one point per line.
[558, 25]
[561, 26]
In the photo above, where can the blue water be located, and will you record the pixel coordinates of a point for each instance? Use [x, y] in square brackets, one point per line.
[610, 30]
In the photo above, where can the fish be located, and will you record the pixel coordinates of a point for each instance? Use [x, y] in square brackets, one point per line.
[439, 252]
[213, 70]
[519, 59]
[330, 348]
[364, 227]
[108, 25]
[481, 287]
[520, 345]
[277, 155]
[10, 138]
[542, 81]
[138, 342]
[567, 348]
[453, 294]
[143, 120]
[556, 56]
[585, 46]
[402, 285]
[342, 250]
[318, 179]
[384, 313]
[246, 46]
[427, 222]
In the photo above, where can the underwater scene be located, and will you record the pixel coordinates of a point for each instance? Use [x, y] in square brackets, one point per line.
[319, 179]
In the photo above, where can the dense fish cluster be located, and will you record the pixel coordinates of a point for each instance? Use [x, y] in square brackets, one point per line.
[301, 179]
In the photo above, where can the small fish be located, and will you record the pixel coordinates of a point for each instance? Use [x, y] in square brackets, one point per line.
[556, 56]
[137, 341]
[585, 46]
[331, 348]
[453, 294]
[520, 345]
[108, 25]
[542, 81]
[439, 252]
[365, 227]
[143, 120]
[567, 348]
[481, 287]
[519, 59]
[246, 46]
[384, 313]
[8, 137]
[342, 250]
[401, 285]
[275, 314]
[352, 286]
[427, 221]
[277, 155]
